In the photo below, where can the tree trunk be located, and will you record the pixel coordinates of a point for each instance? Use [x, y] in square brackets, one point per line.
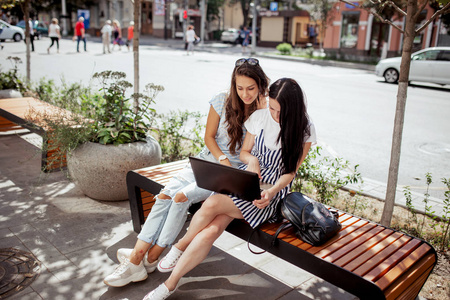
[137, 13]
[244, 8]
[400, 112]
[26, 9]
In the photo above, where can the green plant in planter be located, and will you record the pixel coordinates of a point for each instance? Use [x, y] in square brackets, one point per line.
[118, 122]
[104, 117]
[11, 79]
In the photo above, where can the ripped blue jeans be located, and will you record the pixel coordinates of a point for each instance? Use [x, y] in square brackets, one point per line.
[167, 217]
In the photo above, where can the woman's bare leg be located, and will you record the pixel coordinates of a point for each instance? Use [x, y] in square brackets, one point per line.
[198, 249]
[213, 206]
[137, 255]
[154, 253]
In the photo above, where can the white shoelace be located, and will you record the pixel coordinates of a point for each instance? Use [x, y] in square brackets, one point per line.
[160, 292]
[122, 267]
[174, 257]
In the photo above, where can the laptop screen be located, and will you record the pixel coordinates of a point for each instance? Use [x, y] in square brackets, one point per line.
[225, 180]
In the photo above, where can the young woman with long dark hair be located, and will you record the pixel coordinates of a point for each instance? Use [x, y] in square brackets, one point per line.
[277, 141]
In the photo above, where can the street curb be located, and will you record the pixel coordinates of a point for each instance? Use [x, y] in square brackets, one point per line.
[332, 63]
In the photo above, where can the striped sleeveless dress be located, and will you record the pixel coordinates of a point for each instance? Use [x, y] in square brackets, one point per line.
[270, 163]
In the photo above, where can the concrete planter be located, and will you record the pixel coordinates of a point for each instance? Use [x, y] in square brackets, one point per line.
[5, 94]
[100, 170]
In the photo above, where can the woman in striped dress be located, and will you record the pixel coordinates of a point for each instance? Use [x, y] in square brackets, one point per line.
[224, 136]
[277, 141]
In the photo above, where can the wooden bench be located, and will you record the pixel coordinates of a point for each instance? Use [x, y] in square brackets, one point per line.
[15, 114]
[366, 259]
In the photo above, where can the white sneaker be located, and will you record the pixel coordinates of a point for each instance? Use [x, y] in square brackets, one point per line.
[124, 253]
[168, 263]
[160, 293]
[125, 273]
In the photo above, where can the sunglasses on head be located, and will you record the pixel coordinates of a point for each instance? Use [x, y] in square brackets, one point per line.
[250, 61]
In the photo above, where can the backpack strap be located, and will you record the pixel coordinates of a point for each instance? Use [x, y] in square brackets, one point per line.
[282, 227]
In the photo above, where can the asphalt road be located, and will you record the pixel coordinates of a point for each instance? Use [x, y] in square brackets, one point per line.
[353, 110]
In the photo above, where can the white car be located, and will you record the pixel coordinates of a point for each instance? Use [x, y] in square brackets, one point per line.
[11, 32]
[230, 36]
[427, 65]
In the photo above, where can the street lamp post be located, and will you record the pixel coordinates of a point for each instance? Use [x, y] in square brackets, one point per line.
[255, 16]
[202, 22]
[64, 17]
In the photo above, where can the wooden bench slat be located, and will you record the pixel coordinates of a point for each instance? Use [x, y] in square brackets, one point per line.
[168, 169]
[357, 266]
[362, 248]
[351, 246]
[406, 258]
[418, 276]
[381, 258]
[396, 256]
[349, 238]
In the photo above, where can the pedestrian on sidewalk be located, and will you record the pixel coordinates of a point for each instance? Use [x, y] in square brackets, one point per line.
[54, 34]
[190, 39]
[117, 32]
[223, 138]
[106, 36]
[80, 33]
[277, 141]
[30, 24]
[245, 36]
[1, 46]
[130, 35]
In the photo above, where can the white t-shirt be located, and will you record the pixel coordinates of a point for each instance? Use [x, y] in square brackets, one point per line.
[190, 35]
[53, 30]
[106, 30]
[262, 119]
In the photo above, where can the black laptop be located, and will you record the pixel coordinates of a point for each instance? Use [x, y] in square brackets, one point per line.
[226, 180]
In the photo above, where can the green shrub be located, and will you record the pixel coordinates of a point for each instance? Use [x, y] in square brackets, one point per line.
[284, 48]
[326, 175]
[177, 138]
[11, 78]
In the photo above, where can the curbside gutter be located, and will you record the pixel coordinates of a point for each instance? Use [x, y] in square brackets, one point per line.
[320, 62]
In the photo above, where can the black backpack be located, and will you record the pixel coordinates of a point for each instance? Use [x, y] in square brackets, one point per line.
[313, 222]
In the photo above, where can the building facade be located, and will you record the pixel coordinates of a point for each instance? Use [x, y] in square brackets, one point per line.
[354, 34]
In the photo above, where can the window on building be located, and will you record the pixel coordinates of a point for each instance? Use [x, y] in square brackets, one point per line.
[349, 33]
[419, 39]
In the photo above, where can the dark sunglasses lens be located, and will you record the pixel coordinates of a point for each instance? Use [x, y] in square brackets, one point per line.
[250, 61]
[240, 62]
[253, 61]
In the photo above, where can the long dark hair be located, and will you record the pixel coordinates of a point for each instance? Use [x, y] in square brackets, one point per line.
[235, 112]
[294, 121]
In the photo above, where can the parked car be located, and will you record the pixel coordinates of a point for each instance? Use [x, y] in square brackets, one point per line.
[11, 32]
[230, 36]
[427, 65]
[39, 28]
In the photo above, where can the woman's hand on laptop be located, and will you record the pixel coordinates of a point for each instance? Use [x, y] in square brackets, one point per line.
[225, 162]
